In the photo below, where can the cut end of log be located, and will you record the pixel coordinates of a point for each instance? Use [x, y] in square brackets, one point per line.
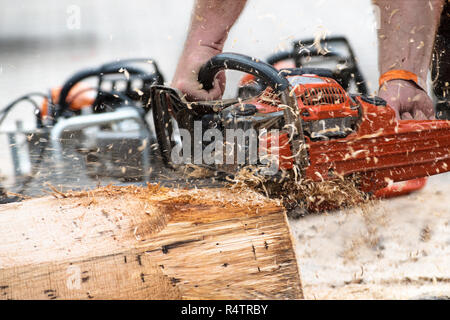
[148, 243]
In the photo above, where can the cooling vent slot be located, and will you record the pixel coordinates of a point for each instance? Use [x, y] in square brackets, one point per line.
[323, 96]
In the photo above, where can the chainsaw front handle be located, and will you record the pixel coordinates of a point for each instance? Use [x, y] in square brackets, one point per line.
[274, 79]
[239, 62]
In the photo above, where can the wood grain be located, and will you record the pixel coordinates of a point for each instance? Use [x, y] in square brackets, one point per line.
[147, 243]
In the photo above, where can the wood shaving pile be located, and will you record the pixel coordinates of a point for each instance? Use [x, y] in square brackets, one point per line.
[307, 194]
[247, 187]
[197, 172]
[225, 198]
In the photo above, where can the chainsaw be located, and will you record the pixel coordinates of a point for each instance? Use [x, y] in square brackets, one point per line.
[93, 124]
[305, 123]
[337, 55]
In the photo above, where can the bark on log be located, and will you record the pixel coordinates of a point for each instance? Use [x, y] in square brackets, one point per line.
[147, 243]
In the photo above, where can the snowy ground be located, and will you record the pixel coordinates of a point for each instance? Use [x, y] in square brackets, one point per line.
[398, 249]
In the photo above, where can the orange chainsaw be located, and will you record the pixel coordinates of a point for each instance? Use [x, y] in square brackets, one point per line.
[337, 54]
[306, 123]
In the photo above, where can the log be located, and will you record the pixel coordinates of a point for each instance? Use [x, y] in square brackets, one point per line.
[147, 243]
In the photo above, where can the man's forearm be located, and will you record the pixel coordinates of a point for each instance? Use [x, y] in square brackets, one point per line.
[211, 21]
[407, 33]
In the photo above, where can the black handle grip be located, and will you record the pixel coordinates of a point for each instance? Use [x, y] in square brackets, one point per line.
[321, 72]
[84, 74]
[280, 56]
[239, 62]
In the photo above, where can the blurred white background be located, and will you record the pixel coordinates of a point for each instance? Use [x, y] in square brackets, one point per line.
[43, 42]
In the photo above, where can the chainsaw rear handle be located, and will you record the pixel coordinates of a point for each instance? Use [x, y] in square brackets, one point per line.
[239, 62]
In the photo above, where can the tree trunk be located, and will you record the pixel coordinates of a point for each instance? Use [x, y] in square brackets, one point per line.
[147, 243]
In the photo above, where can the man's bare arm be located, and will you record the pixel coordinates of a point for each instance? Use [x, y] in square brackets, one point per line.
[210, 23]
[406, 39]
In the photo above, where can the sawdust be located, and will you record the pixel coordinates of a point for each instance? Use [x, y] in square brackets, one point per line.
[310, 195]
[383, 249]
[197, 172]
[321, 197]
[247, 190]
[270, 97]
[426, 233]
[367, 240]
[374, 218]
[350, 252]
[232, 198]
[111, 191]
[142, 211]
